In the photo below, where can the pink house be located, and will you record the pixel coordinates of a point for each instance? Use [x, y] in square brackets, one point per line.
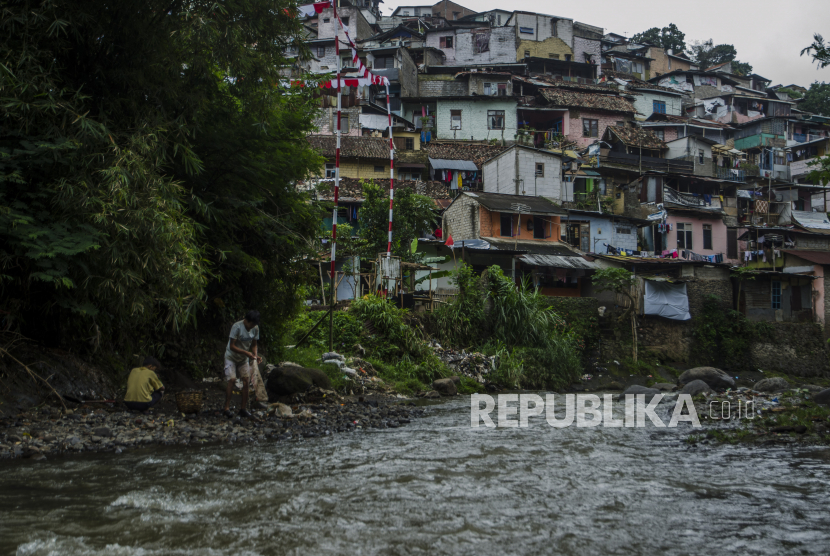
[699, 233]
[591, 110]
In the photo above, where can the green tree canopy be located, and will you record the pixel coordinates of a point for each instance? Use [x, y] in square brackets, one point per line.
[668, 38]
[707, 54]
[817, 99]
[741, 68]
[147, 155]
[819, 50]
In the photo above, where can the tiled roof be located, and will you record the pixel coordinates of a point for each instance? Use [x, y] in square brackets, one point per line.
[572, 99]
[478, 153]
[351, 189]
[635, 83]
[502, 202]
[351, 147]
[672, 119]
[637, 137]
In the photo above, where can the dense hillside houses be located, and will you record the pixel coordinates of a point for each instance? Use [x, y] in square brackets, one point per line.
[557, 148]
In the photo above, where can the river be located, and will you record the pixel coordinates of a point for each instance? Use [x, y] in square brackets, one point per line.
[435, 486]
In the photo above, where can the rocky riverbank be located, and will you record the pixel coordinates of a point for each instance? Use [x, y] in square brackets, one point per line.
[52, 432]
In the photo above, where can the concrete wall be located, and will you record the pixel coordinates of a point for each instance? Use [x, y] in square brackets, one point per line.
[582, 47]
[603, 231]
[793, 348]
[718, 234]
[574, 128]
[443, 85]
[500, 173]
[474, 119]
[326, 121]
[460, 219]
[502, 46]
[359, 28]
[542, 27]
[644, 103]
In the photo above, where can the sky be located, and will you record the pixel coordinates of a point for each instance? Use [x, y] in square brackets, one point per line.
[769, 34]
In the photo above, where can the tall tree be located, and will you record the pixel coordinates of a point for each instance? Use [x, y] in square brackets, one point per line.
[741, 68]
[706, 54]
[819, 51]
[668, 38]
[414, 214]
[146, 153]
[817, 99]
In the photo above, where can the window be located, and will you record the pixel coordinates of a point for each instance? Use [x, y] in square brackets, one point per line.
[776, 294]
[553, 56]
[707, 236]
[378, 169]
[345, 21]
[567, 57]
[661, 134]
[321, 51]
[506, 225]
[553, 29]
[329, 171]
[502, 89]
[498, 19]
[326, 20]
[405, 13]
[495, 119]
[659, 107]
[540, 170]
[384, 62]
[527, 53]
[779, 160]
[455, 119]
[590, 128]
[409, 144]
[445, 42]
[487, 89]
[684, 236]
[455, 15]
[417, 11]
[700, 154]
[344, 121]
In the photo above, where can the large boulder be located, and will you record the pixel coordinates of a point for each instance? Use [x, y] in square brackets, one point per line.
[696, 387]
[776, 384]
[445, 387]
[715, 378]
[637, 389]
[822, 397]
[664, 386]
[287, 381]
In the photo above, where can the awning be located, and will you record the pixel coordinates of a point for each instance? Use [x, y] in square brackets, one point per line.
[463, 165]
[557, 261]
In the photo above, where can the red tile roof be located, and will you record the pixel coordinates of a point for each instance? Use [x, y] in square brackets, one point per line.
[351, 147]
[478, 153]
[637, 137]
[572, 99]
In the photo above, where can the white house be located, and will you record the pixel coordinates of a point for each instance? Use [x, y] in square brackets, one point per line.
[522, 170]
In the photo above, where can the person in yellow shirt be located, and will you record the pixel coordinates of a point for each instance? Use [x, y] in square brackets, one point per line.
[144, 389]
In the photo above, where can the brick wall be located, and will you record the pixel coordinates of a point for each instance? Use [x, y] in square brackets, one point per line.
[441, 86]
[583, 46]
[605, 119]
[474, 119]
[460, 218]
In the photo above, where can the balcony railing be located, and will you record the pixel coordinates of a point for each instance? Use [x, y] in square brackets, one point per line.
[730, 174]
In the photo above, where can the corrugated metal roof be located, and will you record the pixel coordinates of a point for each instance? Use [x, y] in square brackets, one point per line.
[812, 220]
[463, 165]
[502, 202]
[818, 257]
[558, 262]
[538, 247]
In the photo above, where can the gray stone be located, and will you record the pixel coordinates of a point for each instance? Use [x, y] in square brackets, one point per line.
[432, 394]
[445, 386]
[813, 388]
[332, 355]
[636, 389]
[776, 384]
[102, 431]
[455, 379]
[287, 381]
[696, 387]
[664, 386]
[822, 397]
[715, 378]
[74, 440]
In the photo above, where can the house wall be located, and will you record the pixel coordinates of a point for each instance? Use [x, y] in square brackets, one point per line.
[476, 83]
[718, 234]
[502, 46]
[445, 9]
[575, 124]
[460, 219]
[644, 103]
[603, 231]
[499, 174]
[474, 119]
[491, 226]
[583, 47]
[757, 299]
[326, 120]
[544, 49]
[443, 85]
[542, 27]
[360, 168]
[358, 27]
[407, 74]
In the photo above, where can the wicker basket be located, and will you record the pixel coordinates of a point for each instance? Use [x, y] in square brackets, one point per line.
[189, 401]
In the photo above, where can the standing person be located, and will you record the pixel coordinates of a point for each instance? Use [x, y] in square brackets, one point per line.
[240, 356]
[144, 389]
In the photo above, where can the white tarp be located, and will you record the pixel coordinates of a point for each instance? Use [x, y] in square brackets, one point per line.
[666, 300]
[374, 121]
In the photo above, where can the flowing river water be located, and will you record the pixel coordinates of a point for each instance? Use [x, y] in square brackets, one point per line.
[435, 486]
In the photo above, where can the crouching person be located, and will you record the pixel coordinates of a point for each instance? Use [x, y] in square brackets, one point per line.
[144, 389]
[240, 358]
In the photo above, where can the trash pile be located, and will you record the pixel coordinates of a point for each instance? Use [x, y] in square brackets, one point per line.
[474, 364]
[358, 371]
